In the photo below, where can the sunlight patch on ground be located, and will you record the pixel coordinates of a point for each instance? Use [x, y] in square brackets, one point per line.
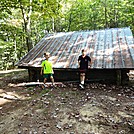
[10, 71]
[3, 101]
[9, 97]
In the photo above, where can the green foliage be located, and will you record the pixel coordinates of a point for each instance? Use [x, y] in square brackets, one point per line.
[22, 21]
[98, 14]
[25, 22]
[6, 55]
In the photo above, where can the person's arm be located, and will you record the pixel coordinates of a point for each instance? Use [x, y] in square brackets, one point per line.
[52, 69]
[41, 70]
[79, 62]
[89, 63]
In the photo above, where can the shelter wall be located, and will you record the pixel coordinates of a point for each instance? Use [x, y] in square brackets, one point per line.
[118, 76]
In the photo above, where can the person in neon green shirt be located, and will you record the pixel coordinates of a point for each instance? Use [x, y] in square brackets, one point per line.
[47, 69]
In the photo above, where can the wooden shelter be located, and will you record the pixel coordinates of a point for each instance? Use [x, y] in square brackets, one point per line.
[111, 51]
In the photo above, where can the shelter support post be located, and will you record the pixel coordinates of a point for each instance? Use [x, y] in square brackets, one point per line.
[118, 74]
[125, 77]
[32, 74]
[122, 77]
[38, 75]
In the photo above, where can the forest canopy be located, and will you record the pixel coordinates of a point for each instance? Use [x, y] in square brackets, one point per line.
[24, 22]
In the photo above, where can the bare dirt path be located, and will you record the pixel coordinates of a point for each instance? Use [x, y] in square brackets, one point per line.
[99, 109]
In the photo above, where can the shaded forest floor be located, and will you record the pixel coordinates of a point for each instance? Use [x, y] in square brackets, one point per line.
[99, 109]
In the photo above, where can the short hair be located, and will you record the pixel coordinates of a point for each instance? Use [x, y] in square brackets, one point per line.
[46, 53]
[82, 50]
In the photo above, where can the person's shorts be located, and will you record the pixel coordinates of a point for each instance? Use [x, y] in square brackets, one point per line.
[83, 70]
[47, 76]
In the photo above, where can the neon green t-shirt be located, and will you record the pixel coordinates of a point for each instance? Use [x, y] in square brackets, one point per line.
[47, 67]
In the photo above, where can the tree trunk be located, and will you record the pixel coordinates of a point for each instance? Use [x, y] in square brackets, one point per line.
[15, 50]
[106, 24]
[27, 28]
[70, 21]
[53, 29]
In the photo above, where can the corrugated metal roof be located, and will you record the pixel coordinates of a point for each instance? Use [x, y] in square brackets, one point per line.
[108, 48]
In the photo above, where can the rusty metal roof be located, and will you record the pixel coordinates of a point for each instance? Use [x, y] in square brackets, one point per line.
[108, 48]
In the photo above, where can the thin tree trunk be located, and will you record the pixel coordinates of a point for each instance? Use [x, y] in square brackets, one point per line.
[27, 23]
[106, 24]
[15, 49]
[53, 24]
[115, 16]
[70, 20]
[117, 22]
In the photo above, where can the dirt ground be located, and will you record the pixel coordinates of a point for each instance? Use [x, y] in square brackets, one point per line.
[99, 109]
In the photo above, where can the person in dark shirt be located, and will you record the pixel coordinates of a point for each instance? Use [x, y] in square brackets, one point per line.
[84, 62]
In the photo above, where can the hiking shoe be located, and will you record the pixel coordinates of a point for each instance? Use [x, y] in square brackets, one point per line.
[43, 86]
[81, 86]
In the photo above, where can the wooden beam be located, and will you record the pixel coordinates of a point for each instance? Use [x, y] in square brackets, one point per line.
[35, 84]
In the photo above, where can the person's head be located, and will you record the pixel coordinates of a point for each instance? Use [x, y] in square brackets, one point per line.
[83, 52]
[47, 55]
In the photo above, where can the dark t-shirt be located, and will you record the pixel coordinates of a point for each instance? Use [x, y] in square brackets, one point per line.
[84, 62]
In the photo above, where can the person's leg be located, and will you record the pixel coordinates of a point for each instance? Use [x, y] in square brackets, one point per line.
[45, 76]
[45, 79]
[52, 79]
[82, 78]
